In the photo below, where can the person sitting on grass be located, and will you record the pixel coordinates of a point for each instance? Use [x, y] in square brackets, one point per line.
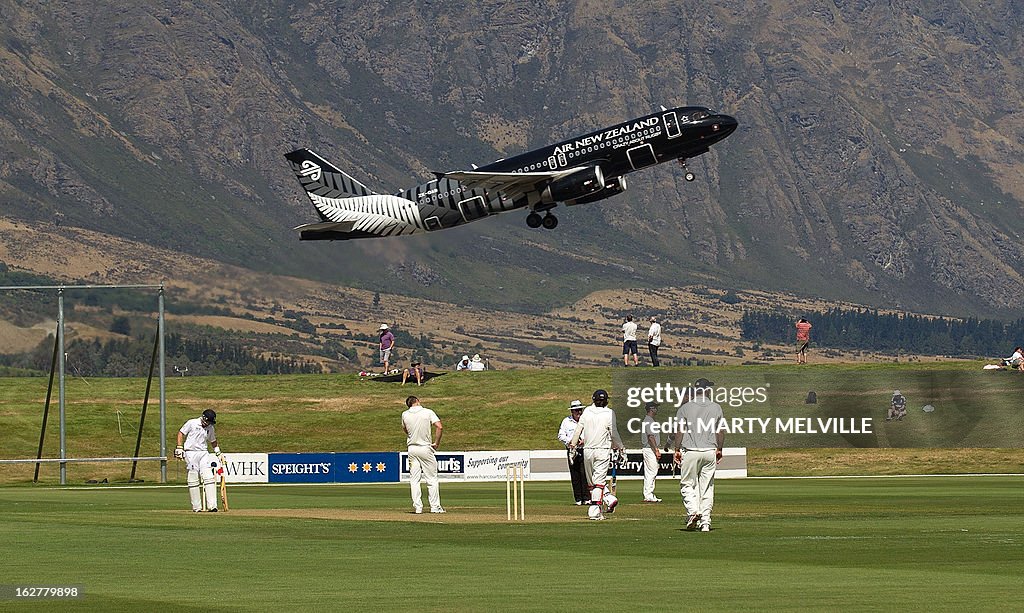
[477, 364]
[414, 371]
[1015, 361]
[897, 408]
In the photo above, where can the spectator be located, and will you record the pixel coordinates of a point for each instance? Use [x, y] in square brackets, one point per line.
[387, 345]
[897, 408]
[476, 364]
[803, 338]
[463, 364]
[1016, 360]
[654, 340]
[415, 371]
[629, 342]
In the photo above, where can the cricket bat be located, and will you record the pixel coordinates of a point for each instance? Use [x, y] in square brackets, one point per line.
[615, 465]
[223, 483]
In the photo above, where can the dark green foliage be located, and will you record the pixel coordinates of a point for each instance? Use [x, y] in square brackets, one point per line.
[121, 325]
[873, 331]
[730, 297]
[131, 358]
[557, 352]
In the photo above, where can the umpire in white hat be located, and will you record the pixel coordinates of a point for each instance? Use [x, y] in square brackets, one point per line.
[575, 457]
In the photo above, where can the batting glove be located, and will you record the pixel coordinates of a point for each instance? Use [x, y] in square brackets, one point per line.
[216, 450]
[179, 452]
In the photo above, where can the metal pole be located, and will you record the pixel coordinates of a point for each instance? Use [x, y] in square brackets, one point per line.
[46, 407]
[163, 392]
[60, 386]
[145, 405]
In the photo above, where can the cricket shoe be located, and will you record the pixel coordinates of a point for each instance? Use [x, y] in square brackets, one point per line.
[705, 527]
[417, 510]
[691, 521]
[438, 510]
[652, 500]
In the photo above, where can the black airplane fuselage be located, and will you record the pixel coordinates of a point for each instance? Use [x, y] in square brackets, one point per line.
[579, 170]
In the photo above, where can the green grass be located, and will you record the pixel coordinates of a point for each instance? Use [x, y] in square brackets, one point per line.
[941, 543]
[521, 409]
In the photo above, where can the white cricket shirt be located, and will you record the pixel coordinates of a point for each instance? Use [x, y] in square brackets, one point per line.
[196, 435]
[418, 421]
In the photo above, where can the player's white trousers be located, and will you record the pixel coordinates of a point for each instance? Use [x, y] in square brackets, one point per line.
[423, 467]
[201, 467]
[650, 472]
[595, 464]
[697, 482]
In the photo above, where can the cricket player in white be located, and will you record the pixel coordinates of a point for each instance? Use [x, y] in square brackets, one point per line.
[597, 427]
[202, 466]
[698, 445]
[650, 442]
[416, 421]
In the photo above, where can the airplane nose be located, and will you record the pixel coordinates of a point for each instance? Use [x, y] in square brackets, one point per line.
[726, 124]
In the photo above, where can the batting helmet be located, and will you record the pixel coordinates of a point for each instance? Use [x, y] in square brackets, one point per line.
[600, 398]
[210, 416]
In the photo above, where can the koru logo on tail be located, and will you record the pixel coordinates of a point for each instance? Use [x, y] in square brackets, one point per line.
[311, 170]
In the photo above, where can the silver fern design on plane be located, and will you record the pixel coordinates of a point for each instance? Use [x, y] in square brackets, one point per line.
[576, 171]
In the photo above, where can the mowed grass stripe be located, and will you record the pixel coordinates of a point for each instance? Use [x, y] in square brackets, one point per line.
[869, 544]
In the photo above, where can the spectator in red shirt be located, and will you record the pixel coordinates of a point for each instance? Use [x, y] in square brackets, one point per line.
[803, 338]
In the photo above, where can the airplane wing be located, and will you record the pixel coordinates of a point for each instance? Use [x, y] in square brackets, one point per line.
[512, 184]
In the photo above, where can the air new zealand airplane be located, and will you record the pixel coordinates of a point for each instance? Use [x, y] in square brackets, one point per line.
[577, 171]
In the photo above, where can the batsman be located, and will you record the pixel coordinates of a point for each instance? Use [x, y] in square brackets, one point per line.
[597, 427]
[202, 466]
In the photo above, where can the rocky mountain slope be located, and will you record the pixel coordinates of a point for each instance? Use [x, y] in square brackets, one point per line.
[879, 156]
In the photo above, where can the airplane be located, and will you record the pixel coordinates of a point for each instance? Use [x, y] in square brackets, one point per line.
[576, 171]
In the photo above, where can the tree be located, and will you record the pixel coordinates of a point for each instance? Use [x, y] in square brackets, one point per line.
[121, 325]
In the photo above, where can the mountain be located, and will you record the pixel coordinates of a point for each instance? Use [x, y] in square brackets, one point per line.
[878, 158]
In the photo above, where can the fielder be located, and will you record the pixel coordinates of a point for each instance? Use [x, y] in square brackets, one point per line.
[416, 421]
[597, 425]
[202, 466]
[650, 440]
[698, 450]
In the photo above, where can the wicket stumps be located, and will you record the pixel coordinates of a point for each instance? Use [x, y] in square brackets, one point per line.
[515, 492]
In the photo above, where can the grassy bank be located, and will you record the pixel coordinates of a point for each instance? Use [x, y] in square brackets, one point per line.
[521, 409]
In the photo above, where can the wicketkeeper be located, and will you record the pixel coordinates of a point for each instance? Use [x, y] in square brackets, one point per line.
[203, 467]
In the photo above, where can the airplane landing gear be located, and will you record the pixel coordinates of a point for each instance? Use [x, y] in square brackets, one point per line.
[549, 221]
[689, 176]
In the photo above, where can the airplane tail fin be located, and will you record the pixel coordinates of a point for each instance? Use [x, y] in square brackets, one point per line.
[347, 208]
[322, 179]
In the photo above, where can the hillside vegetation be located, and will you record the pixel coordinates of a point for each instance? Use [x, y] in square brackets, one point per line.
[878, 156]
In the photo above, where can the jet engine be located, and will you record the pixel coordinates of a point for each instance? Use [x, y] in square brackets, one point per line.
[611, 187]
[580, 184]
